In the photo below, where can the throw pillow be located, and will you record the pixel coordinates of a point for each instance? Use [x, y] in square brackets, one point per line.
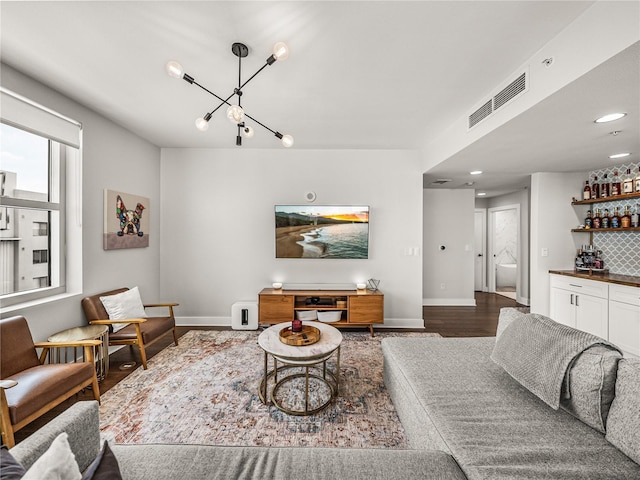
[104, 467]
[123, 306]
[623, 425]
[57, 463]
[10, 468]
[589, 386]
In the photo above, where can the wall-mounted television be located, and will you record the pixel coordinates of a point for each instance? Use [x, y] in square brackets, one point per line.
[322, 231]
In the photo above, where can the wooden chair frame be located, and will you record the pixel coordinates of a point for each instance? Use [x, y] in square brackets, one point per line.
[8, 429]
[136, 323]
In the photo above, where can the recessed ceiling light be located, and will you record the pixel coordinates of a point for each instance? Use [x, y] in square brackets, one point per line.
[481, 194]
[476, 172]
[620, 155]
[610, 117]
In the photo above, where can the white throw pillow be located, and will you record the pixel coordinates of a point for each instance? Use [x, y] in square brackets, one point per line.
[123, 306]
[57, 463]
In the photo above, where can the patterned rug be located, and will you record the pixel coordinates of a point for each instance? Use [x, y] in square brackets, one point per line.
[205, 391]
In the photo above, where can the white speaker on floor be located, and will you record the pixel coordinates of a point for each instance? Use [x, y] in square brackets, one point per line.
[244, 316]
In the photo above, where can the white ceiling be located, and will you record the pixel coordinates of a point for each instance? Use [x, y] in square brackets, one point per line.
[361, 74]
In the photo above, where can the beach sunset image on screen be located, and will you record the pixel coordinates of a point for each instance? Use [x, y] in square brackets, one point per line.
[331, 231]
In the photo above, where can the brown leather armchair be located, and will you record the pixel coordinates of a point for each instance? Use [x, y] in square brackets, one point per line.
[140, 331]
[29, 387]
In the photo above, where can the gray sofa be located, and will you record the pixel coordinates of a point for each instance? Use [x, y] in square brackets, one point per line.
[452, 397]
[195, 462]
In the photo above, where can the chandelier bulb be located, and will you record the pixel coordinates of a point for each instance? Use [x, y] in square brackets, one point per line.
[280, 51]
[235, 114]
[287, 141]
[202, 124]
[174, 69]
[247, 132]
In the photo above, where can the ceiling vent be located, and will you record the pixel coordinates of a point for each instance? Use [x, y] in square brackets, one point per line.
[500, 99]
[441, 181]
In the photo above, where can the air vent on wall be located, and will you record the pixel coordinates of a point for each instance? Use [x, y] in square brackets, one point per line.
[500, 99]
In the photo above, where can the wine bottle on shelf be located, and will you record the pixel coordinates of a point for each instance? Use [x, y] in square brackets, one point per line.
[604, 187]
[615, 185]
[588, 221]
[627, 183]
[625, 221]
[595, 188]
[606, 219]
[615, 218]
[597, 221]
[637, 188]
[635, 216]
[586, 191]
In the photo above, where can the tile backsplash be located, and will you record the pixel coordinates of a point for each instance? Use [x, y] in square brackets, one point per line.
[620, 250]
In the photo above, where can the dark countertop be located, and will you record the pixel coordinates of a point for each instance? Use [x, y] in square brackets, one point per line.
[601, 277]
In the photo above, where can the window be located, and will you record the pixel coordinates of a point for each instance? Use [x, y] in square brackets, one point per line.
[40, 157]
[40, 256]
[40, 229]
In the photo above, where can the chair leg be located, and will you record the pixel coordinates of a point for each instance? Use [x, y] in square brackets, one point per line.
[143, 353]
[5, 423]
[175, 336]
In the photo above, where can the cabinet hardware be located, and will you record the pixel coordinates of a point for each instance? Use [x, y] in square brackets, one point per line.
[577, 296]
[572, 299]
[574, 285]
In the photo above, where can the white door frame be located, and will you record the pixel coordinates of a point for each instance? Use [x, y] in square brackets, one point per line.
[483, 249]
[491, 263]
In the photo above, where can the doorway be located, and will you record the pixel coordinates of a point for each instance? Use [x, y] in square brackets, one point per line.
[480, 250]
[504, 261]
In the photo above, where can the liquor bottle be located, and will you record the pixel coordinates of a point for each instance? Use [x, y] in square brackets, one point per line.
[615, 185]
[615, 218]
[604, 187]
[627, 183]
[595, 188]
[606, 220]
[625, 221]
[588, 222]
[597, 221]
[637, 189]
[586, 192]
[635, 216]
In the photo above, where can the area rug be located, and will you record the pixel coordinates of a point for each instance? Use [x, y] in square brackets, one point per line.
[205, 391]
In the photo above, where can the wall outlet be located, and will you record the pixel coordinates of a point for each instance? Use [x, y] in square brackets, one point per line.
[545, 252]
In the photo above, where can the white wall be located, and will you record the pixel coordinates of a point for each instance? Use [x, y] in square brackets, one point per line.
[448, 221]
[218, 225]
[116, 159]
[552, 218]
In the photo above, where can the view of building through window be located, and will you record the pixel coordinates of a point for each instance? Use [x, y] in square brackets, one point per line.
[25, 232]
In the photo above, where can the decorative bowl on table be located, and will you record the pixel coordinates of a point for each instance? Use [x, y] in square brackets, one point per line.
[307, 336]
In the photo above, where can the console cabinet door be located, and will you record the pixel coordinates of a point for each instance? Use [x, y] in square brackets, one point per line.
[592, 315]
[366, 309]
[562, 307]
[276, 308]
[624, 318]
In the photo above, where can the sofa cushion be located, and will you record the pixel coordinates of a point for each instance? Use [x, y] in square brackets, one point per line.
[122, 306]
[589, 386]
[10, 468]
[494, 427]
[537, 352]
[200, 462]
[623, 428]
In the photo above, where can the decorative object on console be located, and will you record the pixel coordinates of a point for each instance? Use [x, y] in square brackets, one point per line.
[235, 113]
[373, 284]
[329, 231]
[125, 227]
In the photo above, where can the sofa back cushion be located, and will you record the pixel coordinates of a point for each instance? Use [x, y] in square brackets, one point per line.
[623, 427]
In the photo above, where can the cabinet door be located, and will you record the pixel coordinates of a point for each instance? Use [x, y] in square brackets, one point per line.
[624, 327]
[275, 308]
[366, 309]
[562, 306]
[592, 315]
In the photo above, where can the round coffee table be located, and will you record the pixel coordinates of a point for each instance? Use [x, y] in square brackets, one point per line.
[297, 361]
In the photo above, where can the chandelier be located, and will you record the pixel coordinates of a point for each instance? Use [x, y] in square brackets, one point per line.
[235, 112]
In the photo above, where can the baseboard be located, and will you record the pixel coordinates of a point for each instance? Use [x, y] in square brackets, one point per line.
[449, 302]
[226, 322]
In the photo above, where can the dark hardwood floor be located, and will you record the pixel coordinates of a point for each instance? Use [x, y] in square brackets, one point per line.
[478, 321]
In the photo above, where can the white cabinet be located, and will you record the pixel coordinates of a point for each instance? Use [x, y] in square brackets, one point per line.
[624, 318]
[579, 303]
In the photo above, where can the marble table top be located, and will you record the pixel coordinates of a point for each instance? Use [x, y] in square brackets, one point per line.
[330, 340]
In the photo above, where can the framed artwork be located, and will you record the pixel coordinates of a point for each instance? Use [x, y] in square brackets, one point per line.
[126, 221]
